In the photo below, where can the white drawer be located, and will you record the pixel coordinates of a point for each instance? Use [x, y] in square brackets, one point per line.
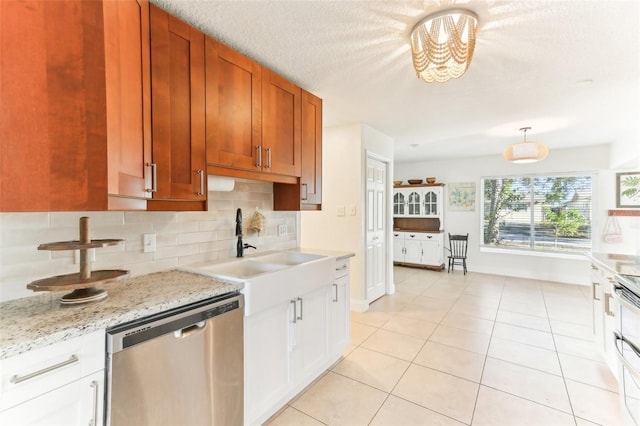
[58, 365]
[342, 267]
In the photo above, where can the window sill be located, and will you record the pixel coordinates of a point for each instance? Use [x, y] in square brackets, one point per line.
[524, 252]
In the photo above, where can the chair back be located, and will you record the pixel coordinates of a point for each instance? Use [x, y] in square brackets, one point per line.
[458, 245]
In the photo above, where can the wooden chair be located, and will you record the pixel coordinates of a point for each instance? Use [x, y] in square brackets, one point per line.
[458, 251]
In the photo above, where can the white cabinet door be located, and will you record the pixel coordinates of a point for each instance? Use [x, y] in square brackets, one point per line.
[412, 248]
[414, 202]
[399, 202]
[76, 403]
[311, 333]
[267, 374]
[432, 249]
[339, 302]
[398, 246]
[609, 320]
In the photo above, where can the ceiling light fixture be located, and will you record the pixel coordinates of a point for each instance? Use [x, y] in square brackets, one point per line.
[525, 152]
[442, 44]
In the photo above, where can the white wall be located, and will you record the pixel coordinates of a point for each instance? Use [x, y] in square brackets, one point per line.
[343, 159]
[182, 237]
[591, 159]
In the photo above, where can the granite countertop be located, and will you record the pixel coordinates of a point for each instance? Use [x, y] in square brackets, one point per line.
[617, 263]
[41, 320]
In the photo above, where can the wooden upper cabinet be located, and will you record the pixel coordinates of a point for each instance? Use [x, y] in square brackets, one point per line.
[128, 84]
[233, 111]
[306, 194]
[75, 128]
[311, 176]
[281, 135]
[178, 108]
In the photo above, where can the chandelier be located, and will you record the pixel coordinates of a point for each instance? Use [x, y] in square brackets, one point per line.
[442, 44]
[525, 152]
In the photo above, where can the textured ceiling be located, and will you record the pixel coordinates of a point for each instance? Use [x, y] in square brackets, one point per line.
[570, 69]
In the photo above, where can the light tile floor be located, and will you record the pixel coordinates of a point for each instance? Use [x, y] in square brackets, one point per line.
[449, 349]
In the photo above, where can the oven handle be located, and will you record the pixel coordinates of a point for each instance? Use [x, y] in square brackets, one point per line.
[617, 290]
[616, 338]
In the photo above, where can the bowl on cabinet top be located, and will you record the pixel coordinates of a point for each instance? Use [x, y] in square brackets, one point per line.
[397, 182]
[414, 181]
[431, 180]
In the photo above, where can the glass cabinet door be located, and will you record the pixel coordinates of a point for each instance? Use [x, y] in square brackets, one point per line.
[430, 203]
[398, 203]
[413, 203]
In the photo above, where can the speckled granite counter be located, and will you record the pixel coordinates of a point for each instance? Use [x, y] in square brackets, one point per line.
[617, 263]
[40, 320]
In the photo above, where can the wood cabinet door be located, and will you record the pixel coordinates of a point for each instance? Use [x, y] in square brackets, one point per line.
[53, 107]
[281, 135]
[128, 86]
[233, 108]
[178, 110]
[311, 165]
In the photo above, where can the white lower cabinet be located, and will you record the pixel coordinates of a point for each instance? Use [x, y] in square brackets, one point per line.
[419, 248]
[604, 314]
[61, 384]
[288, 345]
[340, 333]
[77, 403]
[267, 365]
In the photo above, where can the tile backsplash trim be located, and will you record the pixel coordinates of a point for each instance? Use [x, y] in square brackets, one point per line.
[181, 237]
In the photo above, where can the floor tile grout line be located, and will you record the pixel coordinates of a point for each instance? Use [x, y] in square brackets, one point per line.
[564, 380]
[484, 364]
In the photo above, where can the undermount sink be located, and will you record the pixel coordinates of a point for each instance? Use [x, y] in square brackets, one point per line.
[289, 258]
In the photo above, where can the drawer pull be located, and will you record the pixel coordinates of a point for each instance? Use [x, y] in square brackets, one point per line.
[15, 379]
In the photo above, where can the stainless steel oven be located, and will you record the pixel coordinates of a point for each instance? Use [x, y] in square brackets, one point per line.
[627, 337]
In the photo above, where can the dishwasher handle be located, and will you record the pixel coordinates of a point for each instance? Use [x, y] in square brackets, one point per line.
[183, 333]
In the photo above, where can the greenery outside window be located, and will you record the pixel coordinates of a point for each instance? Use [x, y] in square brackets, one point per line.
[549, 213]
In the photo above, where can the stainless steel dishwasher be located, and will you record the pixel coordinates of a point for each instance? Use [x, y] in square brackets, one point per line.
[179, 367]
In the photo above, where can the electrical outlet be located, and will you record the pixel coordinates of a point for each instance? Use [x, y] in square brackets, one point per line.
[340, 210]
[91, 253]
[148, 243]
[282, 230]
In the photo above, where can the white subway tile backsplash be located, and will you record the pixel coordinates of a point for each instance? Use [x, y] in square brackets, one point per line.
[181, 237]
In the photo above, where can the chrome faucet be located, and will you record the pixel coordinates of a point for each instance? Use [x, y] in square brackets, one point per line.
[240, 246]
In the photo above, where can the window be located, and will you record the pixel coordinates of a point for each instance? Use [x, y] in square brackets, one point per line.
[541, 213]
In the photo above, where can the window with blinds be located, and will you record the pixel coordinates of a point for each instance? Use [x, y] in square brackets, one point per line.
[545, 213]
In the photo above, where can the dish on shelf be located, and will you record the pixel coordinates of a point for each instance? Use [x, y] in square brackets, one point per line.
[397, 182]
[414, 181]
[431, 180]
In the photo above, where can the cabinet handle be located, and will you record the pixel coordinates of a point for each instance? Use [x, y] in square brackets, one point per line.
[94, 386]
[301, 315]
[342, 268]
[295, 310]
[268, 158]
[259, 149]
[412, 235]
[607, 305]
[396, 235]
[593, 290]
[335, 289]
[201, 173]
[15, 379]
[154, 177]
[429, 236]
[306, 192]
[594, 267]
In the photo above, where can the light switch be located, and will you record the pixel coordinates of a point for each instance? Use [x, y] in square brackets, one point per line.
[148, 243]
[282, 230]
[352, 209]
[340, 210]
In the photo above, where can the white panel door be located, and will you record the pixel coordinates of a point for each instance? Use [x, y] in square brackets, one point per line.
[376, 214]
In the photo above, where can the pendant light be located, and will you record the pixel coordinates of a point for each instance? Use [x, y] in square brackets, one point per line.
[525, 152]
